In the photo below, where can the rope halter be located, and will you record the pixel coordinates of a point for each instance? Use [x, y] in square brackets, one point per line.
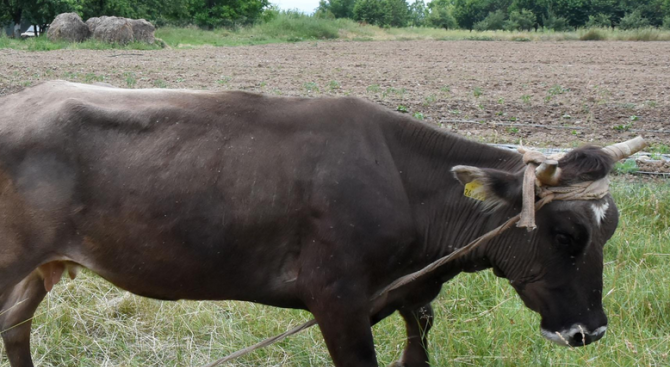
[542, 176]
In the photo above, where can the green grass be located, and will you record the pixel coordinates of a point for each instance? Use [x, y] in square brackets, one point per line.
[295, 27]
[608, 34]
[44, 44]
[628, 166]
[284, 28]
[480, 320]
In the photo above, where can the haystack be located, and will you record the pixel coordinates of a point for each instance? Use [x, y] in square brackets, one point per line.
[113, 30]
[143, 31]
[92, 23]
[68, 27]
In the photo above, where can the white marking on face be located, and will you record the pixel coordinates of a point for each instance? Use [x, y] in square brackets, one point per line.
[564, 336]
[600, 211]
[599, 331]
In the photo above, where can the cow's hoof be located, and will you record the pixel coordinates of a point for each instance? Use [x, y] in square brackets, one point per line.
[397, 364]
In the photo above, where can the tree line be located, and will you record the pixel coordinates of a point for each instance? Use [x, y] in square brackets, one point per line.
[558, 15]
[203, 13]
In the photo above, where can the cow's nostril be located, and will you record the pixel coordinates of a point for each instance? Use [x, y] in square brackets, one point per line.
[578, 339]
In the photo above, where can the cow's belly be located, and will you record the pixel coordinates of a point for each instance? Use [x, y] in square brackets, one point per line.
[265, 274]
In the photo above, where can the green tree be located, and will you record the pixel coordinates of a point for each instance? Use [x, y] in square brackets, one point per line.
[217, 13]
[521, 20]
[11, 11]
[555, 23]
[97, 8]
[162, 12]
[469, 12]
[494, 21]
[599, 21]
[653, 11]
[633, 20]
[575, 11]
[440, 15]
[369, 11]
[35, 12]
[43, 12]
[417, 13]
[601, 9]
[323, 11]
[541, 9]
[338, 8]
[395, 13]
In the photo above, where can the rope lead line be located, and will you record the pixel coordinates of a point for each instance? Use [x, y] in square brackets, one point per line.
[592, 190]
[264, 343]
[384, 293]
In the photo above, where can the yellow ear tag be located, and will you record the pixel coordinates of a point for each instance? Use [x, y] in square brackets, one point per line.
[470, 188]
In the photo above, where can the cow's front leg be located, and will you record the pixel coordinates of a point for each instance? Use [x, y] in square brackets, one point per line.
[343, 315]
[418, 322]
[347, 334]
[17, 307]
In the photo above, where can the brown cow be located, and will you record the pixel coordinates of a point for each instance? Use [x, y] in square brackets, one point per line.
[304, 203]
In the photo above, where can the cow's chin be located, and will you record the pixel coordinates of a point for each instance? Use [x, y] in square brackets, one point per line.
[576, 336]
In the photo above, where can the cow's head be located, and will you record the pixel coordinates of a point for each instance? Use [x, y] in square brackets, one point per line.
[557, 268]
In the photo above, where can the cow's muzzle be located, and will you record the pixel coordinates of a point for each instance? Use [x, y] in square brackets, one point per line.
[576, 336]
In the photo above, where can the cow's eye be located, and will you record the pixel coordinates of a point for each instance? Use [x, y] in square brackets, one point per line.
[564, 239]
[570, 239]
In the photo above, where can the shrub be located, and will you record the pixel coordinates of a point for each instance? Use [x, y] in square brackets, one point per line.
[593, 34]
[599, 21]
[641, 34]
[493, 21]
[633, 20]
[523, 20]
[295, 26]
[555, 23]
[666, 23]
[270, 13]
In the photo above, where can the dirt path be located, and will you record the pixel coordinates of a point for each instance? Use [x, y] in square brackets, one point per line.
[585, 92]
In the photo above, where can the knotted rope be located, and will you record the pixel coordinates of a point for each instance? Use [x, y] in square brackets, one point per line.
[587, 190]
[532, 187]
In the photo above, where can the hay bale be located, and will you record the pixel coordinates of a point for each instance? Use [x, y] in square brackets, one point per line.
[113, 30]
[92, 23]
[143, 31]
[68, 27]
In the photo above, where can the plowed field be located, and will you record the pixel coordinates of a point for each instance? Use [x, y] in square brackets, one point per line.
[539, 93]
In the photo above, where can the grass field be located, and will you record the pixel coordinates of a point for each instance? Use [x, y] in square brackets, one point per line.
[296, 27]
[480, 321]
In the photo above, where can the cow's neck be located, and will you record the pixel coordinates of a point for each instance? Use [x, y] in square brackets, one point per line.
[446, 220]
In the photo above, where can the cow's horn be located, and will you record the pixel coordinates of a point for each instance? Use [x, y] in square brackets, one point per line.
[548, 172]
[627, 148]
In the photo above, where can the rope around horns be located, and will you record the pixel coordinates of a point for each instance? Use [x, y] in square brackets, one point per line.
[588, 190]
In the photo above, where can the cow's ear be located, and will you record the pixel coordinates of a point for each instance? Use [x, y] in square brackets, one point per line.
[493, 187]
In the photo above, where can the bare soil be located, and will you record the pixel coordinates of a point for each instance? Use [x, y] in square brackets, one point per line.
[560, 94]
